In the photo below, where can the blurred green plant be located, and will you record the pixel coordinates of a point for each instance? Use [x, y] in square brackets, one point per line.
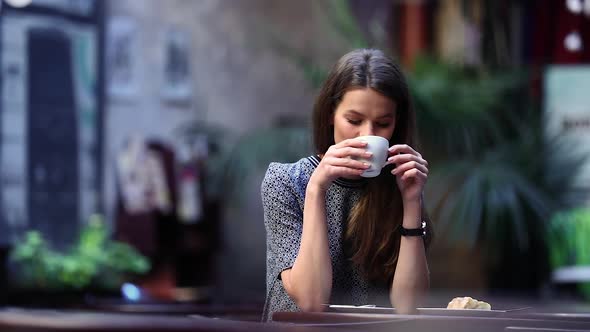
[95, 261]
[567, 237]
[495, 173]
[496, 176]
[461, 109]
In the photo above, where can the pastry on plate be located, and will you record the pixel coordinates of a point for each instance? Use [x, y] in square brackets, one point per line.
[468, 303]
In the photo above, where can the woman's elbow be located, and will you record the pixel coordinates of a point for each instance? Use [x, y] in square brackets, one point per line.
[310, 305]
[308, 300]
[311, 300]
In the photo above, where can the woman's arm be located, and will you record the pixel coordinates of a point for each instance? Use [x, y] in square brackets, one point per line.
[410, 282]
[309, 281]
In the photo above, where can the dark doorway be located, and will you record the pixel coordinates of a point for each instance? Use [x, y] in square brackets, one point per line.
[53, 194]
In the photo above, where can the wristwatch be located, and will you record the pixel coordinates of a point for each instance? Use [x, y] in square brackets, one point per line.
[413, 231]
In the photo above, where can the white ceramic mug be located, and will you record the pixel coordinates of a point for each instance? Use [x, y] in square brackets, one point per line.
[379, 147]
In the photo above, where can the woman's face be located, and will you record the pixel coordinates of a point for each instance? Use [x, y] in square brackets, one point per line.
[364, 111]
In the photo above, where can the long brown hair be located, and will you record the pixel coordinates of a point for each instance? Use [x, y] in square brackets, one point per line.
[372, 231]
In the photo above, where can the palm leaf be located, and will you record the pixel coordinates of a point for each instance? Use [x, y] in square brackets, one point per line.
[460, 112]
[509, 185]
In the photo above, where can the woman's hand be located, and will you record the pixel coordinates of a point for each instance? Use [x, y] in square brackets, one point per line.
[411, 171]
[338, 162]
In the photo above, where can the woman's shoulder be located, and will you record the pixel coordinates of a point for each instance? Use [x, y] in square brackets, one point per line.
[295, 174]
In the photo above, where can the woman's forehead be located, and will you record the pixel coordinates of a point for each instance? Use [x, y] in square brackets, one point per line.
[366, 100]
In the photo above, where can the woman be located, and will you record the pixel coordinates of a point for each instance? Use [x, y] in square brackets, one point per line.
[346, 246]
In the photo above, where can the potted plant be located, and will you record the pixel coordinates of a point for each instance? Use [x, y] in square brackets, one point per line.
[94, 264]
[569, 249]
[494, 171]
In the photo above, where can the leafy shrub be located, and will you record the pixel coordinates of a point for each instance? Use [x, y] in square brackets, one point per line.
[94, 261]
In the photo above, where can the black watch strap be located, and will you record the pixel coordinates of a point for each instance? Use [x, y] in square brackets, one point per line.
[413, 231]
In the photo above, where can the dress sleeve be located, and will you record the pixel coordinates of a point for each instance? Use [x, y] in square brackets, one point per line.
[283, 219]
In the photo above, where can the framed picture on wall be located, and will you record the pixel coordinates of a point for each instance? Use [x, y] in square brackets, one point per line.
[84, 8]
[122, 57]
[176, 85]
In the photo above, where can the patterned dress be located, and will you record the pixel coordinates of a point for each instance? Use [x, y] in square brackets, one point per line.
[283, 196]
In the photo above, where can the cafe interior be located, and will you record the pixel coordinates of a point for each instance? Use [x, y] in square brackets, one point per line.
[144, 211]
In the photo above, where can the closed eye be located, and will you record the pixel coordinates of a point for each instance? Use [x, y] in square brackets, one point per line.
[354, 122]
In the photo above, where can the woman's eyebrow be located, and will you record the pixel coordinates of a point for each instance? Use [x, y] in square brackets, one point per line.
[353, 112]
[388, 115]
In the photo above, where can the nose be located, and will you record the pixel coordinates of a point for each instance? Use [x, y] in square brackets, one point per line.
[367, 130]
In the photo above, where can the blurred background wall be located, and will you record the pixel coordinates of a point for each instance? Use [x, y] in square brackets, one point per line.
[235, 81]
[162, 116]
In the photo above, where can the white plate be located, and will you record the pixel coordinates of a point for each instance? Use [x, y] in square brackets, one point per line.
[460, 312]
[421, 311]
[360, 309]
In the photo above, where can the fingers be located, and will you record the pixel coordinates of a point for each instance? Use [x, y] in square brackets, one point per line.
[401, 169]
[400, 159]
[346, 152]
[349, 148]
[403, 148]
[409, 162]
[345, 159]
[351, 142]
[346, 162]
[340, 171]
[413, 173]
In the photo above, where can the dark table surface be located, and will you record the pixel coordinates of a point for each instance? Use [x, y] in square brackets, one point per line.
[39, 320]
[453, 320]
[180, 318]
